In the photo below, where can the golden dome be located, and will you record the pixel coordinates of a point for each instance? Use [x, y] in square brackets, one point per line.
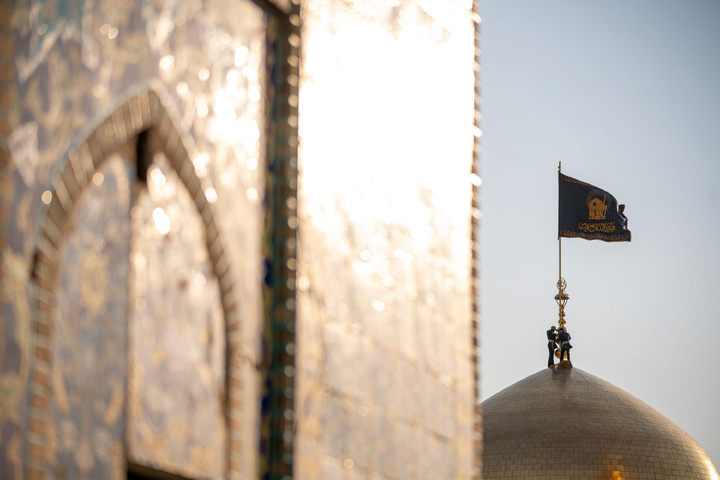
[570, 425]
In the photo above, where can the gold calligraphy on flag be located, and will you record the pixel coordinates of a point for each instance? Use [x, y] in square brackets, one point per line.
[605, 227]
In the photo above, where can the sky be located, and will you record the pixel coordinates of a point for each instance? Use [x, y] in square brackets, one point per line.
[626, 94]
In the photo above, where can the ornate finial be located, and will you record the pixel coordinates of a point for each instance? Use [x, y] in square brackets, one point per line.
[561, 298]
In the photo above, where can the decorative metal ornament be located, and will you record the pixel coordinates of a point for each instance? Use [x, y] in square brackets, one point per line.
[561, 298]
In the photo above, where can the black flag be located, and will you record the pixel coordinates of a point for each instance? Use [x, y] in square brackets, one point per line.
[588, 212]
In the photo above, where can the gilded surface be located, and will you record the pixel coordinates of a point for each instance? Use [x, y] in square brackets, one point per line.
[570, 425]
[384, 381]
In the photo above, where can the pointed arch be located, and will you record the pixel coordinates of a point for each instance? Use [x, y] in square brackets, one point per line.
[142, 113]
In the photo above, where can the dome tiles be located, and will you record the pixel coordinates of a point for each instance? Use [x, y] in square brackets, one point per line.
[566, 424]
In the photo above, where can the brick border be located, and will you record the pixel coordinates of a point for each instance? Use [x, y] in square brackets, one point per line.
[475, 242]
[142, 112]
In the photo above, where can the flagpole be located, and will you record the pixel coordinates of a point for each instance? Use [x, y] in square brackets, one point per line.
[562, 297]
[559, 258]
[559, 238]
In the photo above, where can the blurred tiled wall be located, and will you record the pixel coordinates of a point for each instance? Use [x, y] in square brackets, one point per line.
[133, 219]
[199, 280]
[387, 364]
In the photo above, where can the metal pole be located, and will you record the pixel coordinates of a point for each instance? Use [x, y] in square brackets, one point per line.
[559, 239]
[562, 297]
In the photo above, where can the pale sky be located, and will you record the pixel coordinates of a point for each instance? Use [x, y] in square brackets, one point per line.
[626, 94]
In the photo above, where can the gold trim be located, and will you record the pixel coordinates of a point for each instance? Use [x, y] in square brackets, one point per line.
[575, 180]
[596, 236]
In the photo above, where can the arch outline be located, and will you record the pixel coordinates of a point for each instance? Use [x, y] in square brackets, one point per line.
[142, 111]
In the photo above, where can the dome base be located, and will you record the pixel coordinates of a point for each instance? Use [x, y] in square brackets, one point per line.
[565, 424]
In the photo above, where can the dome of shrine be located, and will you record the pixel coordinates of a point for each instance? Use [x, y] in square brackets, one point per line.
[566, 424]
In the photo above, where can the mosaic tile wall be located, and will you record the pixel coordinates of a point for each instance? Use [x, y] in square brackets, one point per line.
[159, 307]
[176, 343]
[84, 82]
[88, 354]
[386, 363]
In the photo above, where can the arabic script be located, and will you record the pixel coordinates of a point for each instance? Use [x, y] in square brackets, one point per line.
[605, 227]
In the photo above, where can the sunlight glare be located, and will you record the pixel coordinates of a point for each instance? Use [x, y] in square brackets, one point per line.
[162, 221]
[713, 471]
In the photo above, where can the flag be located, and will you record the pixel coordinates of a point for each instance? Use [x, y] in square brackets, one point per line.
[588, 212]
